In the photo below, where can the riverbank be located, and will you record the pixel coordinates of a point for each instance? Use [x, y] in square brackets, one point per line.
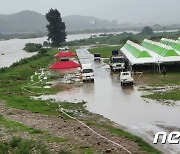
[21, 115]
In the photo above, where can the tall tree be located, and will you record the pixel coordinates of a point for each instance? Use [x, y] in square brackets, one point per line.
[147, 30]
[56, 28]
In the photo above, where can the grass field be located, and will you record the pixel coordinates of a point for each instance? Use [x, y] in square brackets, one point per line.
[122, 38]
[105, 51]
[159, 80]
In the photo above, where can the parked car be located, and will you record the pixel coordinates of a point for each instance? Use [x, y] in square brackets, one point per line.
[126, 78]
[87, 73]
[63, 48]
[97, 57]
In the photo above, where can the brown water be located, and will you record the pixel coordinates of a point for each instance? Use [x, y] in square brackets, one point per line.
[12, 50]
[123, 105]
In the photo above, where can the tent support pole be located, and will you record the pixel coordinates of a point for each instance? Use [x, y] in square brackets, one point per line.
[159, 68]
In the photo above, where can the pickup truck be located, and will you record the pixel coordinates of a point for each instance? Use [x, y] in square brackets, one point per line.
[126, 78]
[117, 63]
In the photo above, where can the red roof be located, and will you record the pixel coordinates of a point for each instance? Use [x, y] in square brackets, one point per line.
[65, 54]
[64, 65]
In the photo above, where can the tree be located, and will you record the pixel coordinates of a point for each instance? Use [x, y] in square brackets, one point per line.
[56, 28]
[147, 30]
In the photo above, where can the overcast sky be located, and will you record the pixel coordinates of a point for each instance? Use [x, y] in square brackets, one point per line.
[133, 11]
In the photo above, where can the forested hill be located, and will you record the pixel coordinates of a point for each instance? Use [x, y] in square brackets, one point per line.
[22, 22]
[30, 22]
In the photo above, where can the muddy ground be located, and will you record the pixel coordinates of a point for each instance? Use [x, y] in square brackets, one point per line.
[77, 134]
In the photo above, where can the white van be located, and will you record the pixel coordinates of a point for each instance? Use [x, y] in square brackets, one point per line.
[87, 73]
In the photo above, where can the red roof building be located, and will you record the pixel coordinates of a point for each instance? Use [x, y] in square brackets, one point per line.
[65, 65]
[65, 54]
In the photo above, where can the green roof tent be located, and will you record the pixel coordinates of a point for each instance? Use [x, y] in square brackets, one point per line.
[149, 52]
[136, 54]
[159, 48]
[135, 50]
[175, 44]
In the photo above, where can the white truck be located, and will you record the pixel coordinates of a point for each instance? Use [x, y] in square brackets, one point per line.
[97, 57]
[87, 73]
[126, 78]
[117, 63]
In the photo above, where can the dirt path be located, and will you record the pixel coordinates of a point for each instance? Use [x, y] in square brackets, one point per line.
[77, 134]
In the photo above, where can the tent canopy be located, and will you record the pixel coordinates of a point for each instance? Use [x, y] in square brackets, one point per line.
[136, 50]
[149, 52]
[175, 44]
[65, 65]
[65, 54]
[158, 48]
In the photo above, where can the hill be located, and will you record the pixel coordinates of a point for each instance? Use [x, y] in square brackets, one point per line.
[33, 22]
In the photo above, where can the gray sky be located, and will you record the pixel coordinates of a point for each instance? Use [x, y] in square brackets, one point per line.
[133, 11]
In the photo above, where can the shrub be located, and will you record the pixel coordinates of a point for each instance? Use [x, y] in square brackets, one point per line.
[32, 47]
[13, 143]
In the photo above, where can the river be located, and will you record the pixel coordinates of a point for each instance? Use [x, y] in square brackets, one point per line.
[12, 50]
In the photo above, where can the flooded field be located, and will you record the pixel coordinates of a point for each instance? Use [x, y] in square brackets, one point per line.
[106, 97]
[123, 105]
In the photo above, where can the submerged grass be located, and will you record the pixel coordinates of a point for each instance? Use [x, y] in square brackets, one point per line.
[158, 80]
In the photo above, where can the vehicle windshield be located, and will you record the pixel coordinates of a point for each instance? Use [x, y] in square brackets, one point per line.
[117, 60]
[97, 55]
[87, 71]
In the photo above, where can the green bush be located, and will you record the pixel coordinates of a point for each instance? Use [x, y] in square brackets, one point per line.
[32, 47]
[43, 51]
[14, 141]
[3, 148]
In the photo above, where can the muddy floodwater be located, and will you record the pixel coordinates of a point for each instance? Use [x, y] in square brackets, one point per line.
[124, 105]
[12, 50]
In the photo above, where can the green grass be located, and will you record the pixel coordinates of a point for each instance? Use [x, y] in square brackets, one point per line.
[17, 76]
[18, 145]
[171, 95]
[105, 51]
[142, 144]
[122, 38]
[86, 150]
[35, 106]
[158, 80]
[14, 127]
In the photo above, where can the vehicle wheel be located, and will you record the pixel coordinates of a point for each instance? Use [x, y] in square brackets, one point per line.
[92, 80]
[121, 84]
